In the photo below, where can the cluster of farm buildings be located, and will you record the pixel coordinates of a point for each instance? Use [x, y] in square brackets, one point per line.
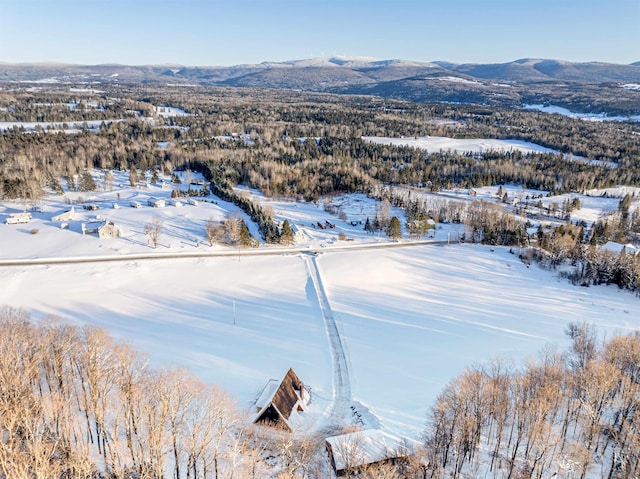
[282, 403]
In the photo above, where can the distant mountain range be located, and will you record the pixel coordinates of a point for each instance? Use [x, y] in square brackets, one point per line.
[521, 81]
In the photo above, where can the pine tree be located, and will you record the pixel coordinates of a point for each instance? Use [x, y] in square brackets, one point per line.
[245, 235]
[86, 182]
[395, 228]
[133, 176]
[286, 236]
[367, 226]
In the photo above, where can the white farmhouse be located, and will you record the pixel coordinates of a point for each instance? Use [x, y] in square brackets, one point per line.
[156, 202]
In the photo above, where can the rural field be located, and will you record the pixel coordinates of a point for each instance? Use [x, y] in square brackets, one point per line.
[410, 318]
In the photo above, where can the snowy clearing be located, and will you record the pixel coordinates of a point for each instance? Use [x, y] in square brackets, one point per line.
[434, 144]
[71, 126]
[583, 116]
[410, 319]
[376, 334]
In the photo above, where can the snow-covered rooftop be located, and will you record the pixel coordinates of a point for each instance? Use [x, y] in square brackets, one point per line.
[617, 248]
[366, 447]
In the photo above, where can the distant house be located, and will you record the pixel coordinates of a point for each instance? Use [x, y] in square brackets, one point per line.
[104, 229]
[280, 401]
[156, 202]
[349, 453]
[18, 218]
[64, 216]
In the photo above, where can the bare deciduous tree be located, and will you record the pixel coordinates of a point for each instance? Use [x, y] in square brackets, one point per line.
[153, 230]
[215, 232]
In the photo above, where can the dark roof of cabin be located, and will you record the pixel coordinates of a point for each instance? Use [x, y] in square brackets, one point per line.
[287, 395]
[282, 397]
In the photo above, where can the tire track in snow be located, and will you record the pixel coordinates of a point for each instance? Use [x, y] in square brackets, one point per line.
[339, 411]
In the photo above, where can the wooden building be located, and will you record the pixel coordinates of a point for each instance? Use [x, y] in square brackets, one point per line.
[280, 401]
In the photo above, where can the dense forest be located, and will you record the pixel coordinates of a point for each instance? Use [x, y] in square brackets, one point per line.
[267, 150]
[308, 146]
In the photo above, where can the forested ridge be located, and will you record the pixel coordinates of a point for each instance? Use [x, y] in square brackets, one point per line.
[567, 414]
[307, 146]
[272, 158]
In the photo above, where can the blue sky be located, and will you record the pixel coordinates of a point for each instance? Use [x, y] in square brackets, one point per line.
[211, 32]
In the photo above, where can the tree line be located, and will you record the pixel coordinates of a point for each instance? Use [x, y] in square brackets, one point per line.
[572, 414]
[75, 403]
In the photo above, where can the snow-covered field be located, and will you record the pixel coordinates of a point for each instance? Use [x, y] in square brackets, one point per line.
[408, 319]
[53, 127]
[169, 111]
[433, 144]
[583, 116]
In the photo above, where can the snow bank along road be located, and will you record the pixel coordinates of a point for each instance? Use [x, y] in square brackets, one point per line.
[337, 413]
[208, 254]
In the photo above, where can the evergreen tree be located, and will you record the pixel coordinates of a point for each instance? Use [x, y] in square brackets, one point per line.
[286, 236]
[85, 182]
[376, 224]
[54, 184]
[367, 226]
[133, 176]
[245, 235]
[395, 228]
[71, 184]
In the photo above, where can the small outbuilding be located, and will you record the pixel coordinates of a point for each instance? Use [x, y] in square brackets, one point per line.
[355, 451]
[280, 401]
[104, 229]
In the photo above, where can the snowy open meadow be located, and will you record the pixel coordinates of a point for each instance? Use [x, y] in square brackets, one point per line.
[375, 328]
[410, 318]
